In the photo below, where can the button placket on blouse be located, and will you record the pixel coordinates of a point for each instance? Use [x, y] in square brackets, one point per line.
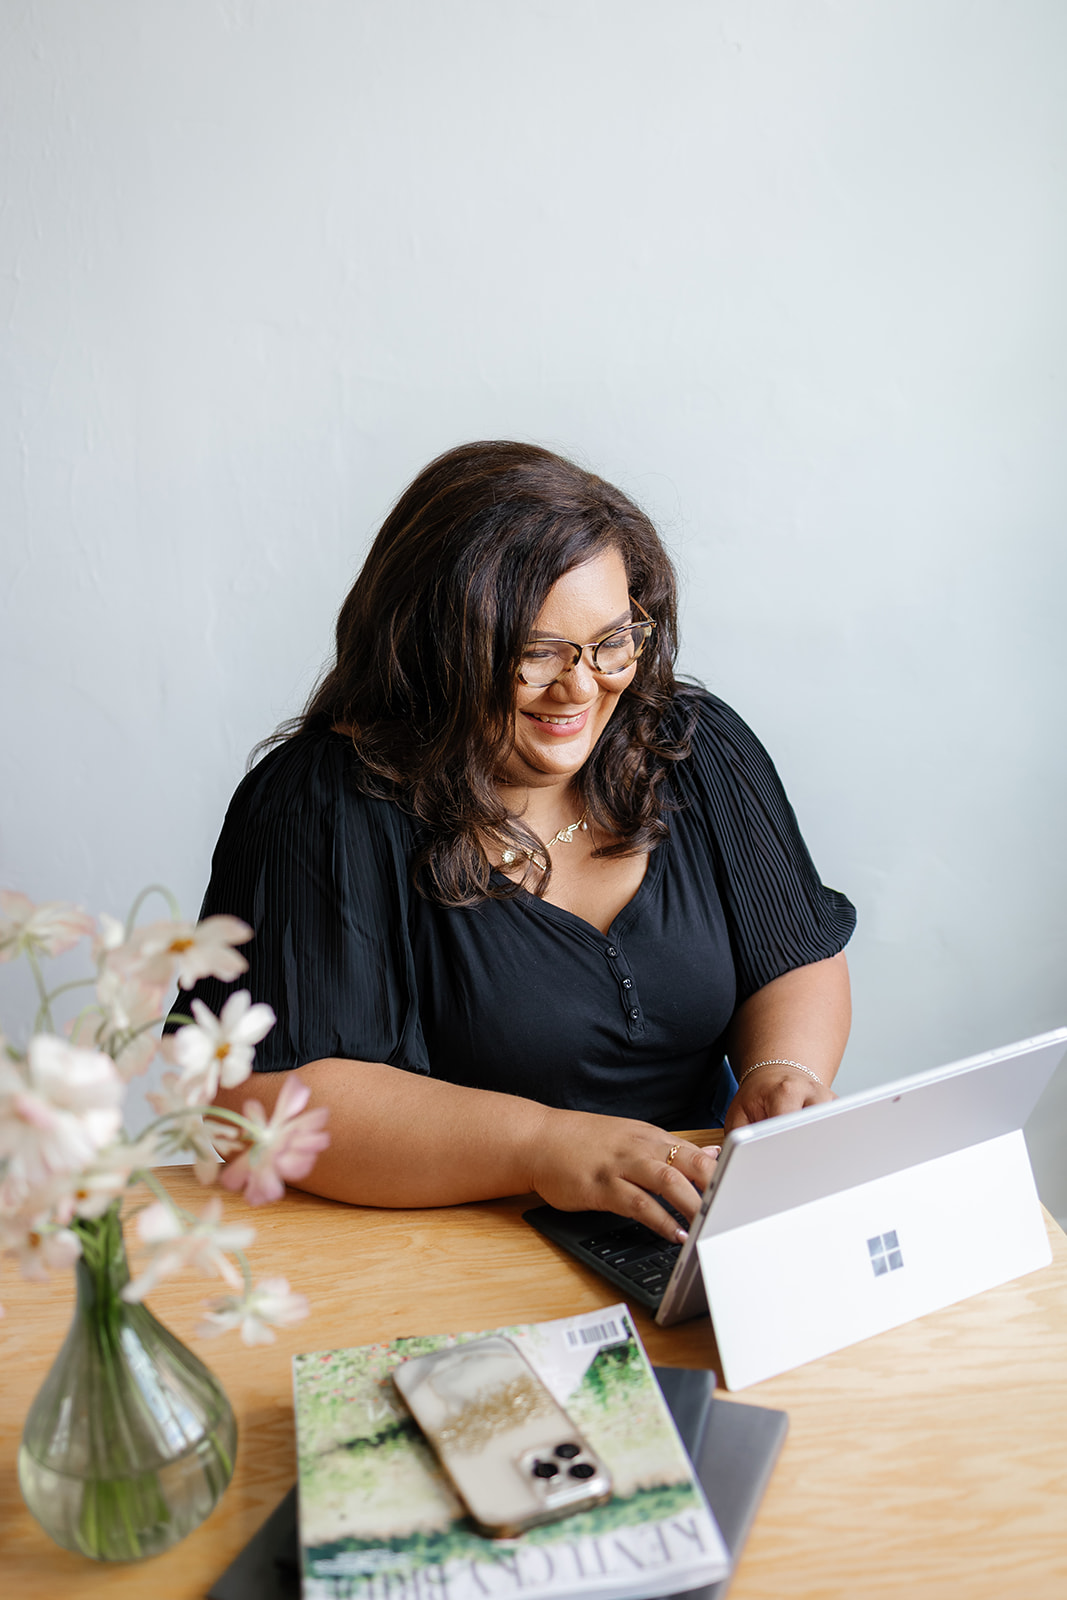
[627, 989]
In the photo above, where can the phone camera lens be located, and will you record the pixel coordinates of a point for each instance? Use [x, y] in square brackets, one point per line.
[545, 1469]
[568, 1451]
[581, 1469]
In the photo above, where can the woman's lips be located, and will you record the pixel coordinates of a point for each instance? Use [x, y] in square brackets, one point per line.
[559, 727]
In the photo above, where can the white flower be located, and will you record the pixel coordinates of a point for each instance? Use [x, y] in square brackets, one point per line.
[57, 1111]
[47, 929]
[175, 1097]
[91, 1192]
[123, 1024]
[127, 1000]
[175, 1246]
[86, 1193]
[268, 1305]
[110, 934]
[196, 949]
[64, 1160]
[191, 1133]
[124, 975]
[219, 1050]
[40, 1249]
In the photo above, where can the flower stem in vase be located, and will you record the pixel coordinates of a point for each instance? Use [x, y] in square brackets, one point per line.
[131, 1441]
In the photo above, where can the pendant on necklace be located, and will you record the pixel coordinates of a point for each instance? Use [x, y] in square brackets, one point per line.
[565, 835]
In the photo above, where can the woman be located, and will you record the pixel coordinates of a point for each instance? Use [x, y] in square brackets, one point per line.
[515, 891]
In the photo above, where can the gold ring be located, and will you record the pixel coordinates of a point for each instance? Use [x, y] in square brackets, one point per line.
[672, 1152]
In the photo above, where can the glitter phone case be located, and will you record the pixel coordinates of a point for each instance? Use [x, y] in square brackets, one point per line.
[510, 1450]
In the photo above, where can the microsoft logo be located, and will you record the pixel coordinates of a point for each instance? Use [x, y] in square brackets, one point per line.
[885, 1254]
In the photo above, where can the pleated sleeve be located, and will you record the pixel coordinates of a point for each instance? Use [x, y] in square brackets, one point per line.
[320, 872]
[779, 913]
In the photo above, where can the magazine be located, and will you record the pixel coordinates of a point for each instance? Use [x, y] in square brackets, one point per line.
[379, 1520]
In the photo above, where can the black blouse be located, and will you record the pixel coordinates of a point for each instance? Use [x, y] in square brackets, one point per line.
[519, 995]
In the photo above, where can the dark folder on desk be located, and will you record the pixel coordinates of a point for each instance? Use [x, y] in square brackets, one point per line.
[732, 1445]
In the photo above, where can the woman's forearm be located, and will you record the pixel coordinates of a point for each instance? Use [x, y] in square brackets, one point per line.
[804, 1016]
[402, 1139]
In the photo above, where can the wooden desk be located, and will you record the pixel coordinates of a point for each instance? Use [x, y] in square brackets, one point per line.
[930, 1461]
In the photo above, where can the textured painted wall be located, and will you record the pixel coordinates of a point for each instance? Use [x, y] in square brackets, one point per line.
[791, 273]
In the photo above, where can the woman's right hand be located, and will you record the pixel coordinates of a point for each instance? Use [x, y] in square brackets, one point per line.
[584, 1162]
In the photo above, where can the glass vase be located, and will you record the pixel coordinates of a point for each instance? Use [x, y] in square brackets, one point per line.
[131, 1441]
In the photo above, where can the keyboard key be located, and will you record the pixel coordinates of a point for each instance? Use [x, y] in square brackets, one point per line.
[666, 1258]
[636, 1252]
[640, 1275]
[603, 1244]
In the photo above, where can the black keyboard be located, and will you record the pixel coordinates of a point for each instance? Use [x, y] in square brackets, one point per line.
[626, 1253]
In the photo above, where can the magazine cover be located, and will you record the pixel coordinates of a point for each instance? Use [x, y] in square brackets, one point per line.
[379, 1520]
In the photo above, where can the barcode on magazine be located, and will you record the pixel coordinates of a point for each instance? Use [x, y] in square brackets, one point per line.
[597, 1333]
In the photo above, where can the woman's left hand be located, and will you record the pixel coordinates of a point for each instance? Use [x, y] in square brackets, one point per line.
[802, 1016]
[772, 1090]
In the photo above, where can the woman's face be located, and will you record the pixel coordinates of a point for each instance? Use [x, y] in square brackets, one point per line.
[557, 727]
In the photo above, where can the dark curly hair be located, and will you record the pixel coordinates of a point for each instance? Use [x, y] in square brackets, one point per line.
[428, 647]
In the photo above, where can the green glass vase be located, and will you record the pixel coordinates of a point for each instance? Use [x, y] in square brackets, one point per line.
[131, 1440]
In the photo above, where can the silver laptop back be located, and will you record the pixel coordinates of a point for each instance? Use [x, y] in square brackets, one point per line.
[797, 1228]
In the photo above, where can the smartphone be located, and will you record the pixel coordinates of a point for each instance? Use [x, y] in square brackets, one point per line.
[510, 1450]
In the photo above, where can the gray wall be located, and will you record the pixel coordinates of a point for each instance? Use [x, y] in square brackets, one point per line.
[792, 273]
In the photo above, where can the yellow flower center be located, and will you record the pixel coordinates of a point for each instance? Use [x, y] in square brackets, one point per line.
[178, 945]
[222, 1051]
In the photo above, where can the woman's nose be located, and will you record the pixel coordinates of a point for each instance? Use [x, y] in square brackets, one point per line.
[578, 682]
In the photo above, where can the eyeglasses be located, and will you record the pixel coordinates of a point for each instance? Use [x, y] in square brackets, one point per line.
[545, 660]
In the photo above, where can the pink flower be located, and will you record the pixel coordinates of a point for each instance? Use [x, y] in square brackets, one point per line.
[267, 1306]
[218, 1050]
[56, 1112]
[47, 929]
[175, 1247]
[196, 950]
[283, 1149]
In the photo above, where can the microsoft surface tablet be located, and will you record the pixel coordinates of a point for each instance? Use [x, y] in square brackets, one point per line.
[827, 1225]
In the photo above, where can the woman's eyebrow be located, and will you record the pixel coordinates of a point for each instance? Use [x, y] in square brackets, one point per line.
[619, 622]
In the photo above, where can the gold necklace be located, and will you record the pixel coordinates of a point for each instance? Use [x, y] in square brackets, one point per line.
[565, 835]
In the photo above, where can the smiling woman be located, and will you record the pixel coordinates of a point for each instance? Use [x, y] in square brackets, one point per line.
[516, 890]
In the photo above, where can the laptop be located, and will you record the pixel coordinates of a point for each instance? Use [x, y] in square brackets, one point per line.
[824, 1226]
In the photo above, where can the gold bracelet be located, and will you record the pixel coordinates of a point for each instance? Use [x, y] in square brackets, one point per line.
[781, 1061]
